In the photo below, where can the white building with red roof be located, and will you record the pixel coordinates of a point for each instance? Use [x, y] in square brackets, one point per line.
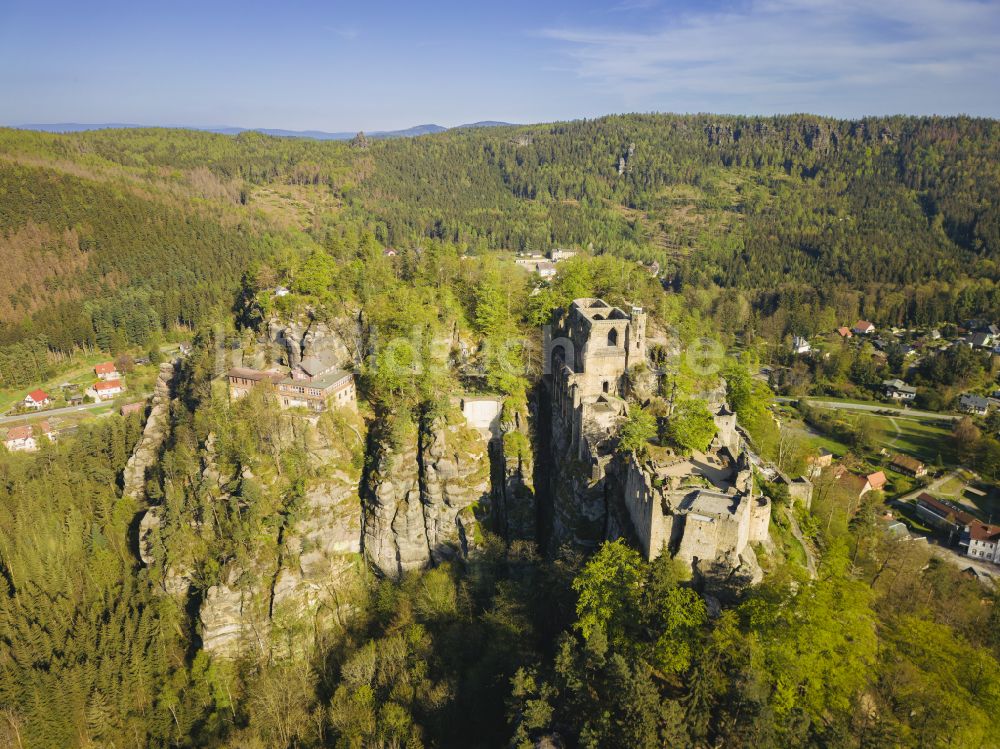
[106, 371]
[37, 399]
[106, 390]
[21, 439]
[24, 438]
[982, 541]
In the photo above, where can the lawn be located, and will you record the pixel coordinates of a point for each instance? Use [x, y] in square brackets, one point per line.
[924, 440]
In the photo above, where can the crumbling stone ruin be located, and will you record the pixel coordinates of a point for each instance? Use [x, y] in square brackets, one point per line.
[700, 509]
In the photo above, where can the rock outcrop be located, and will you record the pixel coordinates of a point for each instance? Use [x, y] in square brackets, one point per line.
[337, 342]
[421, 496]
[153, 435]
[304, 578]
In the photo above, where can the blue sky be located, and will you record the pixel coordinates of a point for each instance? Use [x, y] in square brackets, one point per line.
[382, 65]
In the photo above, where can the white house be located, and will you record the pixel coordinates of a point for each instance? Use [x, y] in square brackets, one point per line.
[105, 391]
[800, 345]
[559, 254]
[106, 371]
[863, 327]
[898, 390]
[37, 399]
[21, 439]
[24, 438]
[981, 541]
[973, 404]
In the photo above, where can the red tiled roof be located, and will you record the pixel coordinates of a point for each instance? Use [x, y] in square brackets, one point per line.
[105, 368]
[19, 433]
[845, 331]
[946, 510]
[108, 385]
[877, 479]
[38, 395]
[984, 532]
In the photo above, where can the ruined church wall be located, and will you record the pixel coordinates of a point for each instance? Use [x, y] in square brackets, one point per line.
[642, 501]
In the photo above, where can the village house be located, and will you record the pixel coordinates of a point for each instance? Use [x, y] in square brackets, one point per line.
[876, 481]
[908, 465]
[863, 327]
[898, 390]
[242, 380]
[334, 388]
[855, 486]
[106, 390]
[24, 438]
[800, 345]
[133, 408]
[971, 403]
[942, 515]
[981, 541]
[558, 255]
[537, 264]
[37, 399]
[106, 371]
[816, 463]
[21, 439]
[845, 332]
[980, 340]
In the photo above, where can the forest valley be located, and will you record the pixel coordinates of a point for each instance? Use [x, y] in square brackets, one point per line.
[257, 520]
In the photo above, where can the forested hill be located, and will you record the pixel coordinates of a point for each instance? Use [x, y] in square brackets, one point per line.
[151, 217]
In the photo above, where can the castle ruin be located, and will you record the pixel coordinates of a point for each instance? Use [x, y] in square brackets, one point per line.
[701, 509]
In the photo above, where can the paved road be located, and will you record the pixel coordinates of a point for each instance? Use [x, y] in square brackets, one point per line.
[906, 412]
[51, 412]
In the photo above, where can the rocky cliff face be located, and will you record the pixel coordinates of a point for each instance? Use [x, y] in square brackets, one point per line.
[153, 434]
[338, 341]
[421, 496]
[276, 599]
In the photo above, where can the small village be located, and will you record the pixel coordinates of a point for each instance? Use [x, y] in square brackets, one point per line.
[926, 498]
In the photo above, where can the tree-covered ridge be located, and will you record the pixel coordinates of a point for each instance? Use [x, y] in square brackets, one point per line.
[900, 212]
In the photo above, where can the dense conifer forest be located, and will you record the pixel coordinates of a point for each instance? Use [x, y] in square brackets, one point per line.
[760, 227]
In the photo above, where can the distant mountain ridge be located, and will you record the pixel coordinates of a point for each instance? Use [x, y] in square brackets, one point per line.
[410, 132]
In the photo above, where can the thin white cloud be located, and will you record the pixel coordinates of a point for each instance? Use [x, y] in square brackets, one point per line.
[831, 56]
[343, 32]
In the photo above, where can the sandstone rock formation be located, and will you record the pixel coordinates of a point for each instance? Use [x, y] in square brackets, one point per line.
[420, 498]
[153, 434]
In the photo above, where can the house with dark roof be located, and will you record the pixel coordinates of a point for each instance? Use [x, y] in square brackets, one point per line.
[908, 466]
[981, 340]
[970, 403]
[898, 390]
